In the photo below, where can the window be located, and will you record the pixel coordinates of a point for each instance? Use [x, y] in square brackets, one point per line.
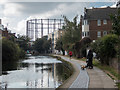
[87, 33]
[104, 21]
[82, 33]
[85, 22]
[104, 33]
[98, 34]
[99, 22]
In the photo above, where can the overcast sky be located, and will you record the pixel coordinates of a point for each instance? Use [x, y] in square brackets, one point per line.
[15, 14]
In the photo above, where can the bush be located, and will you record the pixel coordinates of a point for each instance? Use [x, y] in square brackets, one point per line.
[11, 53]
[105, 48]
[81, 46]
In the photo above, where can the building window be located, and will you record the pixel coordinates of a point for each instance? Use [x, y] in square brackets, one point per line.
[82, 33]
[85, 22]
[98, 34]
[87, 33]
[104, 21]
[104, 33]
[99, 22]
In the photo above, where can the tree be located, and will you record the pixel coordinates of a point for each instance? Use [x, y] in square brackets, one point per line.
[116, 23]
[72, 32]
[81, 46]
[11, 53]
[59, 45]
[116, 28]
[23, 42]
[105, 48]
[42, 45]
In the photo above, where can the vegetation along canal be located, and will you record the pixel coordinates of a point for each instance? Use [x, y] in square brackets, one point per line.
[37, 72]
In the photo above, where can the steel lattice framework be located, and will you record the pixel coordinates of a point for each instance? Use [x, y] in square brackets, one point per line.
[35, 27]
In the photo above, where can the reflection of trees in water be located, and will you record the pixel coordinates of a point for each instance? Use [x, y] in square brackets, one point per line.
[59, 72]
[8, 66]
[63, 71]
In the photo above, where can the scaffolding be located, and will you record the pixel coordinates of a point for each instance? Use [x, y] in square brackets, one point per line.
[36, 27]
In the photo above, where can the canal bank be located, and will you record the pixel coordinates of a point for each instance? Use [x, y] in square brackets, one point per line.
[95, 78]
[67, 83]
[79, 78]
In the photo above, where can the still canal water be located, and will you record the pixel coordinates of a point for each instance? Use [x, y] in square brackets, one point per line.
[37, 72]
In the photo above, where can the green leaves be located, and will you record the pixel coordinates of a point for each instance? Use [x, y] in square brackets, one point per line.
[11, 53]
[116, 23]
[72, 32]
[42, 45]
[23, 42]
[106, 47]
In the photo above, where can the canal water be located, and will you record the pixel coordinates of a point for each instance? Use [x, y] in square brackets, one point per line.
[37, 72]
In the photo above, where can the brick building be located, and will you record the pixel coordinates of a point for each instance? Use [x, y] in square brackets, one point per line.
[96, 22]
[4, 32]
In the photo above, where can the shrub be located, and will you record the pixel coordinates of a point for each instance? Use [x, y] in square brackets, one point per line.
[105, 48]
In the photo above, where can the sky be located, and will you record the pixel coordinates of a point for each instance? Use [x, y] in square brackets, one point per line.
[14, 13]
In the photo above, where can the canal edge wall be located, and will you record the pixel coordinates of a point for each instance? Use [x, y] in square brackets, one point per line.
[67, 83]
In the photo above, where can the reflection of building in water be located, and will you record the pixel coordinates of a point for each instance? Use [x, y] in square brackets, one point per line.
[48, 78]
[34, 83]
[55, 75]
[42, 76]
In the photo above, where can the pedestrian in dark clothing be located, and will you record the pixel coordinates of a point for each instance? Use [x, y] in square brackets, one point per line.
[90, 59]
[70, 54]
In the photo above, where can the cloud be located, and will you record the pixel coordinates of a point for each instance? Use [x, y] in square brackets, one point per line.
[21, 27]
[62, 9]
[114, 5]
[12, 9]
[16, 14]
[6, 21]
[58, 1]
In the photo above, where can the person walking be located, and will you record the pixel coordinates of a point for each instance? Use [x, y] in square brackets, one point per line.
[70, 54]
[90, 59]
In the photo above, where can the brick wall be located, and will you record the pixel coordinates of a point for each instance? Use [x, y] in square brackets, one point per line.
[94, 28]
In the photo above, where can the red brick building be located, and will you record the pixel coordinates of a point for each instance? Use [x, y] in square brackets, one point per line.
[4, 32]
[96, 22]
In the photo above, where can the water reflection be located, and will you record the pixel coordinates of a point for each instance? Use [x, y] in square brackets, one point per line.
[36, 72]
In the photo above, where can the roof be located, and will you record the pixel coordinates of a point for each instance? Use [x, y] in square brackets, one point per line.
[99, 13]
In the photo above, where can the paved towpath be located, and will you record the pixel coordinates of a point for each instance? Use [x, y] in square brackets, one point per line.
[82, 79]
[88, 78]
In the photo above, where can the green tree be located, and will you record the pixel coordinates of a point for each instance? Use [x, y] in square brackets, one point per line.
[10, 54]
[72, 32]
[105, 48]
[23, 42]
[116, 23]
[80, 47]
[116, 29]
[42, 45]
[59, 45]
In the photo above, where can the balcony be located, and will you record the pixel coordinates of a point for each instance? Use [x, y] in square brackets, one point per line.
[85, 28]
